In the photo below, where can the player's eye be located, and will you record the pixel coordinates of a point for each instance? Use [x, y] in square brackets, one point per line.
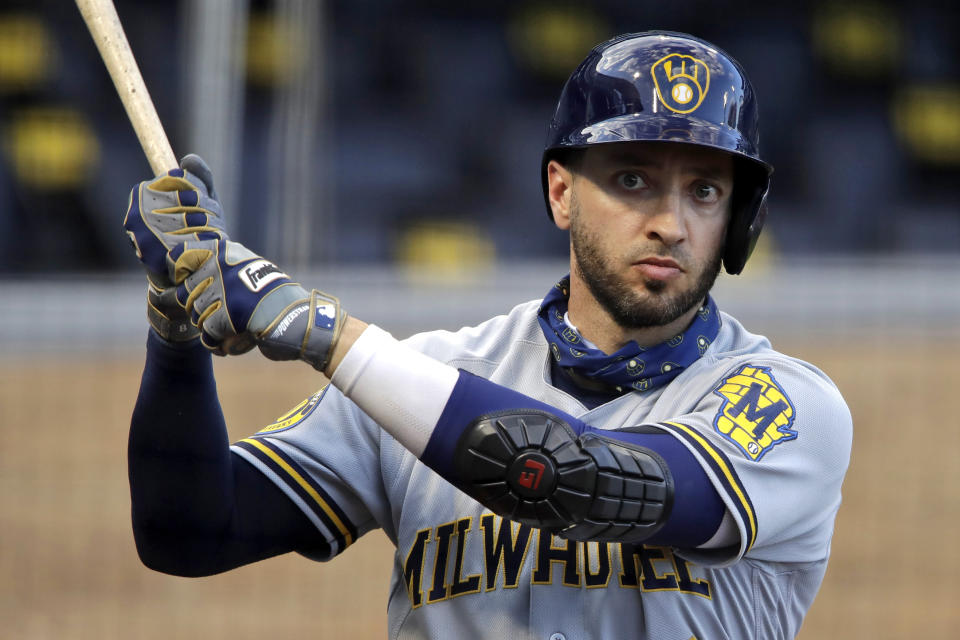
[630, 181]
[706, 192]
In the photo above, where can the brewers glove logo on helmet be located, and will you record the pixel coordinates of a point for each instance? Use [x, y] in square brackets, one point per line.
[682, 81]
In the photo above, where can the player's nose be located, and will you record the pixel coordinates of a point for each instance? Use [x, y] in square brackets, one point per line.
[665, 221]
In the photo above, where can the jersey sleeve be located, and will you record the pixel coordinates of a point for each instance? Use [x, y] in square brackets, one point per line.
[324, 455]
[774, 436]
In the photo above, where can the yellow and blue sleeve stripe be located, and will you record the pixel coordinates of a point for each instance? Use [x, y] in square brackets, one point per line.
[320, 507]
[724, 471]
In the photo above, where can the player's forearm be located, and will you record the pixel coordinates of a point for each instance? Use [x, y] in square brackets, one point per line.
[197, 508]
[178, 457]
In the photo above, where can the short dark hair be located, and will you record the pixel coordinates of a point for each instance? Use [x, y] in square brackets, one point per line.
[570, 157]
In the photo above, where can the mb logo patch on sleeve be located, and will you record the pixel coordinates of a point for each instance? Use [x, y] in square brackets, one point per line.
[756, 414]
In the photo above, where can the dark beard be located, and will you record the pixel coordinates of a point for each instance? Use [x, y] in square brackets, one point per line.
[628, 309]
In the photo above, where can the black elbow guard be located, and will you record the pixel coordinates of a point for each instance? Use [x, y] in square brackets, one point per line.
[531, 467]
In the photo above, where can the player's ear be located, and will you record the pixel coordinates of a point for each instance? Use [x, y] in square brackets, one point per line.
[559, 192]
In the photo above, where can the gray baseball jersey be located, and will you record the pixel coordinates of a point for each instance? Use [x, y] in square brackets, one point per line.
[772, 433]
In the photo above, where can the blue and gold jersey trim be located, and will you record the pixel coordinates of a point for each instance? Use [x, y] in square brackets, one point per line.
[321, 505]
[724, 471]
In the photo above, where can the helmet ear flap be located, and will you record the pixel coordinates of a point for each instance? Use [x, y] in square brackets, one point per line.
[748, 212]
[741, 239]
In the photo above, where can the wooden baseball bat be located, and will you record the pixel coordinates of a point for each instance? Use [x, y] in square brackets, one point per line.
[104, 24]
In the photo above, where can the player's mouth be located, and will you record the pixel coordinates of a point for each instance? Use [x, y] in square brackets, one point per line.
[657, 268]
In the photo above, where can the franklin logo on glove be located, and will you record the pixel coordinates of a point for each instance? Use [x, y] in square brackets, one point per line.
[260, 273]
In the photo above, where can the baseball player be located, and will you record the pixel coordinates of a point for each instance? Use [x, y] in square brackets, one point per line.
[619, 459]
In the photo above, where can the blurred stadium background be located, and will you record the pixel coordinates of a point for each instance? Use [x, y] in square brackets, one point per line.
[388, 151]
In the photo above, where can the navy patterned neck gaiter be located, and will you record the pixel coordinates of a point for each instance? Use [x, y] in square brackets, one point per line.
[632, 368]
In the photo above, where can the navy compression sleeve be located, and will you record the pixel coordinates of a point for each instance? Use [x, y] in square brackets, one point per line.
[198, 509]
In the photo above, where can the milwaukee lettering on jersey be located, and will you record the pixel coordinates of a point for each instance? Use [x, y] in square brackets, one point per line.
[259, 273]
[440, 561]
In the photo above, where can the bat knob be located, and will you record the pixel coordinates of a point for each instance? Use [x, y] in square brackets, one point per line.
[236, 345]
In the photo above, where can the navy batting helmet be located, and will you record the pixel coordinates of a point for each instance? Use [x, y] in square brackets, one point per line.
[667, 86]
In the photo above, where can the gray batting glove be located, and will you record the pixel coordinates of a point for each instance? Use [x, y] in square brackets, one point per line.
[163, 212]
[240, 300]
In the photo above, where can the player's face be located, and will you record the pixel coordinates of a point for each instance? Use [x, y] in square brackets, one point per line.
[647, 224]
